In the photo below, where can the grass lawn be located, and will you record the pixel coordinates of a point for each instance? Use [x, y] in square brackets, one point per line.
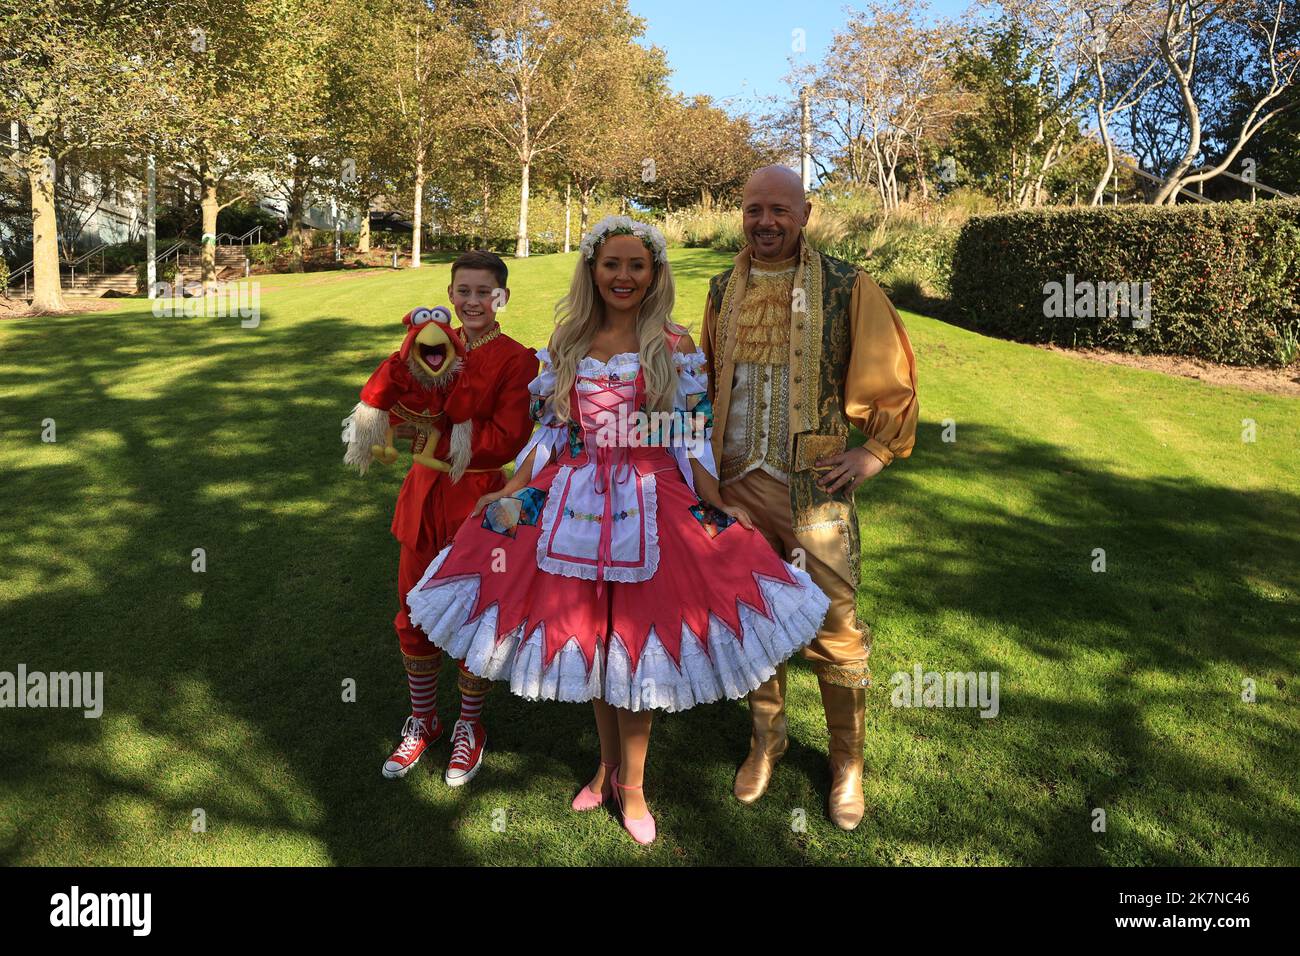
[1120, 691]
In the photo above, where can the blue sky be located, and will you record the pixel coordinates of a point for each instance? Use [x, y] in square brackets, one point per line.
[732, 48]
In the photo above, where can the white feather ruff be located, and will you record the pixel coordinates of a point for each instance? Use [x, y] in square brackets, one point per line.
[462, 437]
[366, 426]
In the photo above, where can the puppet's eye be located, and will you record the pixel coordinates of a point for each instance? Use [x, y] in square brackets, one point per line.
[442, 314]
[421, 316]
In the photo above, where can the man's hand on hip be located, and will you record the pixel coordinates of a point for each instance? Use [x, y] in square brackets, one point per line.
[849, 468]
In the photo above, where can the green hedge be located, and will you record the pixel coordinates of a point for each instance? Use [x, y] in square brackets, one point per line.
[1223, 279]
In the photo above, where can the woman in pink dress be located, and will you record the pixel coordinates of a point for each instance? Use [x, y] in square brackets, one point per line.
[608, 569]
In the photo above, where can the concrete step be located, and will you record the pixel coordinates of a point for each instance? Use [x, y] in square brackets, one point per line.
[96, 284]
[196, 265]
[195, 274]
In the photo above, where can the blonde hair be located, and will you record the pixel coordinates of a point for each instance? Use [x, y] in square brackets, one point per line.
[577, 319]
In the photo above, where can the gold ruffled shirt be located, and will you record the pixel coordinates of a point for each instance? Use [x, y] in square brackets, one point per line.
[757, 432]
[879, 383]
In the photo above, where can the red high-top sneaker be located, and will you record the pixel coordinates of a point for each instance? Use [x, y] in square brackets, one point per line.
[467, 743]
[417, 734]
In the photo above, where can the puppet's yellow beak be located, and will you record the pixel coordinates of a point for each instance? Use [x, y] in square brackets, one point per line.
[433, 350]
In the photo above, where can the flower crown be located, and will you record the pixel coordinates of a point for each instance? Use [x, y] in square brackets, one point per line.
[624, 226]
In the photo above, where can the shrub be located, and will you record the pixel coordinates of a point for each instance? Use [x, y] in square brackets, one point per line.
[700, 228]
[242, 216]
[389, 239]
[262, 253]
[848, 223]
[905, 246]
[123, 255]
[1219, 282]
[4, 275]
[908, 286]
[838, 233]
[964, 202]
[166, 273]
[1288, 346]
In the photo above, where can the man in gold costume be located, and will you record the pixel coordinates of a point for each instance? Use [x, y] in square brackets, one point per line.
[800, 347]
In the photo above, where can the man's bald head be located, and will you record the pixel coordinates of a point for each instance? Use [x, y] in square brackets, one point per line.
[775, 211]
[781, 179]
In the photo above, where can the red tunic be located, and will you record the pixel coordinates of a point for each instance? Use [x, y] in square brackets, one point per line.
[491, 390]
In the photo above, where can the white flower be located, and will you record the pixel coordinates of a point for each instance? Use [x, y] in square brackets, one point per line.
[624, 226]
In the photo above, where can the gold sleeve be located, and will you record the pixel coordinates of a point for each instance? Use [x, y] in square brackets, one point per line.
[880, 389]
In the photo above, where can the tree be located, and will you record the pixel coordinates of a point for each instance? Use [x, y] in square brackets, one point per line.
[883, 84]
[615, 148]
[362, 164]
[234, 69]
[315, 115]
[419, 58]
[1257, 39]
[1122, 76]
[1030, 92]
[700, 153]
[68, 78]
[542, 68]
[1274, 152]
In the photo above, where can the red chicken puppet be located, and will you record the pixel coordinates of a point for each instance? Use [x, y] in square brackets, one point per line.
[465, 408]
[409, 388]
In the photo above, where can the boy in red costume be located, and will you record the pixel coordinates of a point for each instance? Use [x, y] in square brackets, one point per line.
[462, 396]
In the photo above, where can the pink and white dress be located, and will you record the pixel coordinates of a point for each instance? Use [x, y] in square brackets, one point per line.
[606, 577]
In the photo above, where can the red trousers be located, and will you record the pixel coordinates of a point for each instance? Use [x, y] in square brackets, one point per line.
[429, 510]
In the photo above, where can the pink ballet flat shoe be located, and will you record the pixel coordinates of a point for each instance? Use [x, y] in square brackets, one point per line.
[642, 828]
[586, 800]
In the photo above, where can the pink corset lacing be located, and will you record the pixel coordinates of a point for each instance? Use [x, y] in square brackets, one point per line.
[613, 463]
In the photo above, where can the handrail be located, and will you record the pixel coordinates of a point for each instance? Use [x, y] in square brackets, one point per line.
[1185, 191]
[179, 244]
[1257, 185]
[29, 267]
[23, 271]
[174, 251]
[78, 261]
[245, 239]
[73, 263]
[1182, 190]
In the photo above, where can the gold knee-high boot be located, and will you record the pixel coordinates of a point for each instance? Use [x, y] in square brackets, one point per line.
[846, 719]
[768, 740]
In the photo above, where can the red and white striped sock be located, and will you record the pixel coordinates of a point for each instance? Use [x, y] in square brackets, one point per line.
[424, 694]
[471, 706]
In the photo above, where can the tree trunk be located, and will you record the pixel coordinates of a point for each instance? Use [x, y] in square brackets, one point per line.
[922, 180]
[1103, 127]
[363, 230]
[297, 200]
[418, 215]
[1169, 189]
[487, 196]
[568, 211]
[586, 210]
[521, 236]
[48, 288]
[209, 203]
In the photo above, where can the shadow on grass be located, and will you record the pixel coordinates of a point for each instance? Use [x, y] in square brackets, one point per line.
[224, 688]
